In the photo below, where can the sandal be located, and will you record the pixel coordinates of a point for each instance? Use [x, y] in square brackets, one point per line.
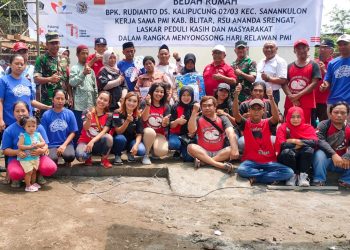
[228, 167]
[197, 163]
[344, 184]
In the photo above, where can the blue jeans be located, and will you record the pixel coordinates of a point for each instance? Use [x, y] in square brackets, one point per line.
[321, 163]
[120, 143]
[265, 172]
[175, 144]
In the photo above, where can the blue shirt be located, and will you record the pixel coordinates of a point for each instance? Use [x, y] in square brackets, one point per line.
[13, 90]
[127, 68]
[58, 126]
[10, 137]
[338, 75]
[27, 73]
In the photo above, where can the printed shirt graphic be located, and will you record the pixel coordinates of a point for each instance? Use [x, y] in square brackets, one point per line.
[338, 75]
[13, 90]
[299, 78]
[58, 126]
[128, 69]
[155, 118]
[209, 137]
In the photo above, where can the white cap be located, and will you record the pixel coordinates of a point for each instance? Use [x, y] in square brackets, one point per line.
[220, 47]
[345, 38]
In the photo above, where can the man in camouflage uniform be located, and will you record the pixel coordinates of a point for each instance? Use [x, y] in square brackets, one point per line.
[49, 73]
[245, 70]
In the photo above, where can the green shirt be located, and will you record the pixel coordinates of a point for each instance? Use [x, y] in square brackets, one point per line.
[46, 66]
[248, 66]
[84, 88]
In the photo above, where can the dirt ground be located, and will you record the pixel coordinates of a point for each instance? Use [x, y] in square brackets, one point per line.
[144, 213]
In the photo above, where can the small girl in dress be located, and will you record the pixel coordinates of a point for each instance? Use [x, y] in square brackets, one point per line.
[28, 141]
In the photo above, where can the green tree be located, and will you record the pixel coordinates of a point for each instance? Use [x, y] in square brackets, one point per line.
[339, 20]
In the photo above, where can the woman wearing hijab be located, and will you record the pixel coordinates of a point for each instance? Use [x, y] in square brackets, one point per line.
[180, 114]
[190, 64]
[111, 80]
[295, 144]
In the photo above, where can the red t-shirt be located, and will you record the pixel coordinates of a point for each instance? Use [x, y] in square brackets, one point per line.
[299, 78]
[209, 137]
[87, 135]
[340, 148]
[96, 67]
[155, 118]
[257, 137]
[177, 129]
[210, 83]
[321, 97]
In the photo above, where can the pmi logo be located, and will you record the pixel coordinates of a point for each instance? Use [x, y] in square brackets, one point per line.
[57, 6]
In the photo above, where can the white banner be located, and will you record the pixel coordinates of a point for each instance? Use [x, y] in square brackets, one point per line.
[179, 22]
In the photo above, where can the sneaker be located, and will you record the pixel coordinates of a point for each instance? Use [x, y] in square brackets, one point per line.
[146, 160]
[131, 158]
[105, 163]
[31, 189]
[89, 162]
[41, 180]
[118, 160]
[292, 181]
[36, 185]
[15, 184]
[303, 180]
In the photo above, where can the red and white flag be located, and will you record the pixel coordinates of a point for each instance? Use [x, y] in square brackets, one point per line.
[315, 39]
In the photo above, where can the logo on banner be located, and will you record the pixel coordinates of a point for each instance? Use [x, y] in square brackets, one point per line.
[82, 7]
[41, 31]
[58, 5]
[72, 30]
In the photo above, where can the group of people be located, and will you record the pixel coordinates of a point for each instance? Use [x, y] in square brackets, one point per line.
[100, 106]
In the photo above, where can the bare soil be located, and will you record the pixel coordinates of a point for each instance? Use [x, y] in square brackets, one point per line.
[144, 213]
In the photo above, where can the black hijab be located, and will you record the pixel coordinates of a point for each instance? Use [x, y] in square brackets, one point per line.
[189, 57]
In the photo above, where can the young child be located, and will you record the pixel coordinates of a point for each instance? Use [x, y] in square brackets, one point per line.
[27, 142]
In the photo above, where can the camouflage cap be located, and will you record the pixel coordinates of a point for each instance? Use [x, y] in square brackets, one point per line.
[52, 37]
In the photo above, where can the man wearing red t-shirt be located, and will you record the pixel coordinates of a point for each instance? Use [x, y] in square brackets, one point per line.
[303, 76]
[212, 130]
[334, 141]
[95, 60]
[218, 71]
[326, 49]
[259, 158]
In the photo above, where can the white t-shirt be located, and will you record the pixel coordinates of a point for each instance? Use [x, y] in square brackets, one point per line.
[276, 67]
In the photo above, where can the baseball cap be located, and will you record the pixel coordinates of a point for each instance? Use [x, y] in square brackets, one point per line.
[52, 37]
[326, 43]
[18, 46]
[256, 101]
[301, 41]
[100, 40]
[219, 47]
[344, 38]
[241, 44]
[224, 86]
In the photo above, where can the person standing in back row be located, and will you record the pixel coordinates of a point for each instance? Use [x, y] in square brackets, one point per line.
[272, 69]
